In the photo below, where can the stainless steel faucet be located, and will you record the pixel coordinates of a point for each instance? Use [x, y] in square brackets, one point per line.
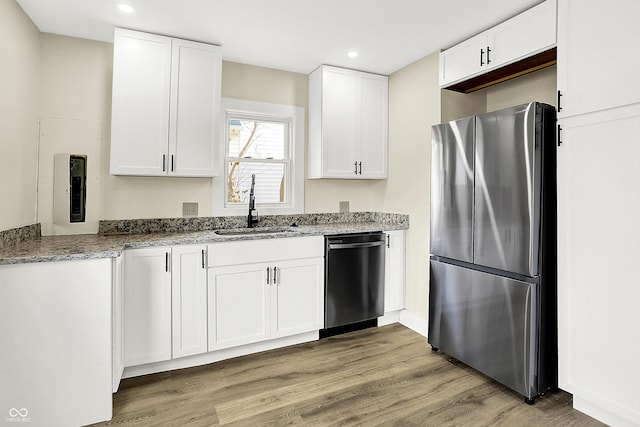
[253, 213]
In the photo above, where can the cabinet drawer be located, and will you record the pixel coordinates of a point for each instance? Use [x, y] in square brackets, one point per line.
[265, 250]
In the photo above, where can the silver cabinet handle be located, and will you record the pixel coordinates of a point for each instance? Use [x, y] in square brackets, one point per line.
[360, 164]
[275, 271]
[355, 167]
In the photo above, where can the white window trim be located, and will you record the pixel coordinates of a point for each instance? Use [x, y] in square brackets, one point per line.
[278, 112]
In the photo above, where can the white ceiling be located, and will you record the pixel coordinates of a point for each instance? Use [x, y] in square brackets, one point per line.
[293, 35]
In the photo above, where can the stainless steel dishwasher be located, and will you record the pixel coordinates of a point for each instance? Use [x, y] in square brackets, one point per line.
[354, 278]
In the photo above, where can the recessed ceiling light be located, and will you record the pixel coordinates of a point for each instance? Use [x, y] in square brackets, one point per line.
[125, 8]
[352, 54]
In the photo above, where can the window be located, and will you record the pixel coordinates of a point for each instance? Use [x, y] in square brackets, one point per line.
[265, 140]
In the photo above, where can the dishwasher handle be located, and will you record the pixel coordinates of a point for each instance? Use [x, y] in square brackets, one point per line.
[355, 245]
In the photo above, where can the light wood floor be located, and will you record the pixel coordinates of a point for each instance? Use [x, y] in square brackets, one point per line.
[380, 376]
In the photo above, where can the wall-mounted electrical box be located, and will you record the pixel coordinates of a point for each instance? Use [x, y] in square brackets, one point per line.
[69, 188]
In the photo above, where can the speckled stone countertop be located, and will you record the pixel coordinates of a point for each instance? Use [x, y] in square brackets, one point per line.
[115, 236]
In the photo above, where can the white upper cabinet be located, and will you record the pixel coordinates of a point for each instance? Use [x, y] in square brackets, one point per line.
[464, 60]
[348, 124]
[597, 66]
[520, 37]
[165, 106]
[140, 103]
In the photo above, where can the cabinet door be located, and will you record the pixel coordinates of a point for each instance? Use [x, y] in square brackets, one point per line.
[239, 305]
[374, 101]
[394, 271]
[147, 306]
[189, 300]
[598, 252]
[195, 103]
[297, 296]
[531, 32]
[117, 308]
[464, 60]
[597, 60]
[340, 122]
[140, 103]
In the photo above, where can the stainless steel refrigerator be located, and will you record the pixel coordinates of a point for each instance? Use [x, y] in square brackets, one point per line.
[492, 298]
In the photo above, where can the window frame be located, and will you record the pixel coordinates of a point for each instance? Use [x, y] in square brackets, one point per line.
[294, 165]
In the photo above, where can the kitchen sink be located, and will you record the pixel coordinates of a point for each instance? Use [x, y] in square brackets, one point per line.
[254, 231]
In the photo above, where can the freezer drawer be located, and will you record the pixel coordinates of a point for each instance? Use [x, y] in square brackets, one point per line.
[486, 321]
[452, 189]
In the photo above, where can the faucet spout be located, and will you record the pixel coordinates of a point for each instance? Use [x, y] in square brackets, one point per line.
[253, 213]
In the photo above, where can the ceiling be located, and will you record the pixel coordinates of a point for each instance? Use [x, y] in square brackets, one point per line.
[293, 35]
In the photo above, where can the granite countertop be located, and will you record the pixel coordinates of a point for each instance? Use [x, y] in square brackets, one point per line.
[108, 245]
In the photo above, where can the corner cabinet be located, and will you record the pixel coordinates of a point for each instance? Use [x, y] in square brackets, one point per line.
[525, 35]
[165, 106]
[165, 304]
[348, 124]
[255, 295]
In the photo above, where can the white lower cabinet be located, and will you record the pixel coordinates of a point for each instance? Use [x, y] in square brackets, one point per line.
[238, 309]
[147, 306]
[117, 322]
[297, 297]
[188, 300]
[55, 332]
[255, 295]
[164, 303]
[394, 271]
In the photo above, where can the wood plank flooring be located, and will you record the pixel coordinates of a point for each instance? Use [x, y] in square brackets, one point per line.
[385, 376]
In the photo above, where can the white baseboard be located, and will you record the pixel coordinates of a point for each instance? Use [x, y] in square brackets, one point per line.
[620, 417]
[218, 355]
[389, 318]
[414, 322]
